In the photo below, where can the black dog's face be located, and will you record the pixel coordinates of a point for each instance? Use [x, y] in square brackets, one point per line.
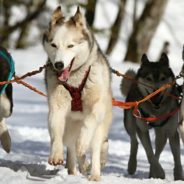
[154, 75]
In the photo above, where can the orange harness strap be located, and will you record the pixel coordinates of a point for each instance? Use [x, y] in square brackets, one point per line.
[129, 105]
[18, 80]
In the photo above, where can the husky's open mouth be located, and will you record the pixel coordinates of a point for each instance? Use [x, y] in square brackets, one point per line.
[64, 75]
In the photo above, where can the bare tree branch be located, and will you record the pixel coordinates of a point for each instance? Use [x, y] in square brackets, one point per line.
[90, 11]
[8, 30]
[144, 30]
[21, 41]
[134, 13]
[116, 27]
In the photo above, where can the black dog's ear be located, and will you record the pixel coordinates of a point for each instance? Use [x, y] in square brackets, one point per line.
[144, 59]
[164, 59]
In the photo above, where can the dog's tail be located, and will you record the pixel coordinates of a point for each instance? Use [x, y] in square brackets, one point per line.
[5, 136]
[125, 83]
[181, 130]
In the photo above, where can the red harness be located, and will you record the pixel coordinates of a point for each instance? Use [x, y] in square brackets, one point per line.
[138, 115]
[75, 92]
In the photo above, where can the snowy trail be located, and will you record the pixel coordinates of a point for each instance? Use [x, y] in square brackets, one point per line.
[27, 162]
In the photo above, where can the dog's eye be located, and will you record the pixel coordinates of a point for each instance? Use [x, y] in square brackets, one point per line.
[162, 78]
[54, 45]
[70, 46]
[148, 78]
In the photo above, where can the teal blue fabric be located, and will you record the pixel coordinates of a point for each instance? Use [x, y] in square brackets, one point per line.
[9, 59]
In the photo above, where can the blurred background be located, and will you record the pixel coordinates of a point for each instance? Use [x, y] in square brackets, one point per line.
[126, 26]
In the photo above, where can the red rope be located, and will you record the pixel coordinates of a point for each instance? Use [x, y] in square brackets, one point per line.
[137, 114]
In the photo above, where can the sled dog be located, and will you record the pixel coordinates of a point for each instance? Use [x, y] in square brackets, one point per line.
[164, 106]
[6, 100]
[79, 94]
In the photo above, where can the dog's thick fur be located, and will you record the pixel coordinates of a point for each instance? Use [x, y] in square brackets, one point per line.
[154, 74]
[67, 40]
[6, 103]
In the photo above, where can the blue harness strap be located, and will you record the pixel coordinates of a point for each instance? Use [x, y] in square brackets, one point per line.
[9, 59]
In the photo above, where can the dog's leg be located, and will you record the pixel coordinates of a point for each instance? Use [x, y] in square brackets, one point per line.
[175, 148]
[4, 136]
[156, 170]
[84, 165]
[56, 130]
[181, 128]
[160, 141]
[95, 159]
[93, 132]
[86, 135]
[129, 122]
[132, 163]
[6, 105]
[71, 161]
[99, 148]
[87, 131]
[104, 153]
[85, 138]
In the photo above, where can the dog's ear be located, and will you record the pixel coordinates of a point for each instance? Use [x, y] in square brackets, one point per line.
[164, 59]
[144, 59]
[79, 18]
[57, 16]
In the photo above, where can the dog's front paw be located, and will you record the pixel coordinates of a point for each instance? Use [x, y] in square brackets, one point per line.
[72, 172]
[132, 165]
[56, 159]
[156, 171]
[94, 178]
[178, 173]
[84, 167]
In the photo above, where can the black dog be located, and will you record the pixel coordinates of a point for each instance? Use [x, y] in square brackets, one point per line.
[167, 110]
[6, 98]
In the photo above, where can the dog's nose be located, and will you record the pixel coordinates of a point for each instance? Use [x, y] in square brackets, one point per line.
[59, 65]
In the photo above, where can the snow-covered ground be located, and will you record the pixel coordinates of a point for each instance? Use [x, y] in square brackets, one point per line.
[27, 162]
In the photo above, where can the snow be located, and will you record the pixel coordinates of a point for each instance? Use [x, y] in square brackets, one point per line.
[27, 162]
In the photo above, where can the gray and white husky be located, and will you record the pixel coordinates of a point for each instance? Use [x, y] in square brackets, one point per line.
[79, 94]
[164, 106]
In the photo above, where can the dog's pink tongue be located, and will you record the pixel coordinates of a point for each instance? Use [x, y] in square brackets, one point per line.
[64, 75]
